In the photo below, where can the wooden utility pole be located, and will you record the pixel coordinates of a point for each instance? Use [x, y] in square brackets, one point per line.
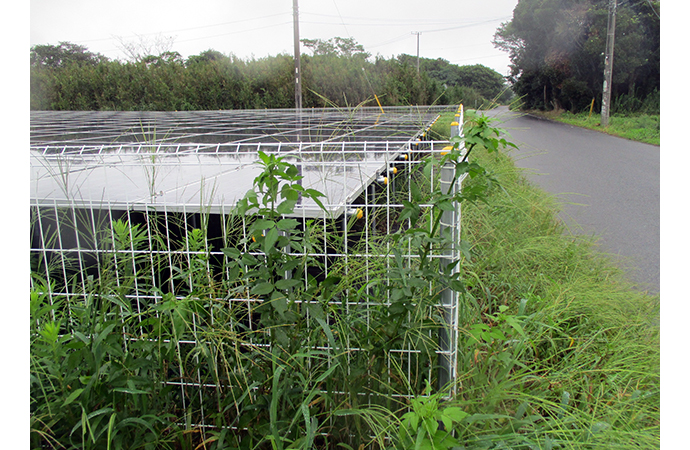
[417, 33]
[608, 64]
[298, 64]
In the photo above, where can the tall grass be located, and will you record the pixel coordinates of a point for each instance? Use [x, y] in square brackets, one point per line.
[574, 358]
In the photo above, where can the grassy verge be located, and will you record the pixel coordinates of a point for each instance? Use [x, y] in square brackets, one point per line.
[642, 128]
[559, 350]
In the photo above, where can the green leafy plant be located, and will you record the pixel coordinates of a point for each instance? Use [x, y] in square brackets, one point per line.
[90, 388]
[429, 425]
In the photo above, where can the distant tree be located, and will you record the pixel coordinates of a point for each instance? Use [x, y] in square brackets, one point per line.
[217, 81]
[162, 59]
[337, 46]
[143, 46]
[63, 54]
[207, 56]
[489, 83]
[335, 73]
[483, 80]
[557, 48]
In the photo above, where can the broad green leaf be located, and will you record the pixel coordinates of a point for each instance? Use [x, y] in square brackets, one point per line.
[72, 397]
[281, 337]
[279, 303]
[455, 413]
[513, 322]
[292, 172]
[313, 193]
[130, 391]
[290, 265]
[232, 253]
[270, 240]
[287, 224]
[290, 194]
[446, 205]
[316, 311]
[249, 259]
[262, 289]
[286, 207]
[251, 197]
[287, 284]
[262, 224]
[447, 422]
[264, 157]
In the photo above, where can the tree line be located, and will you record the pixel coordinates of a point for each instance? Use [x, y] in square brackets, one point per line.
[557, 52]
[338, 72]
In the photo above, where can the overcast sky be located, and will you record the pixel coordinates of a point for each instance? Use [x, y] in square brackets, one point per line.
[459, 31]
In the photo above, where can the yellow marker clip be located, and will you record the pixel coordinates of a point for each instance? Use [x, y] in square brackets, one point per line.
[446, 150]
[360, 213]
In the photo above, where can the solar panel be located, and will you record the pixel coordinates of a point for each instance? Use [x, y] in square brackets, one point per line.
[187, 160]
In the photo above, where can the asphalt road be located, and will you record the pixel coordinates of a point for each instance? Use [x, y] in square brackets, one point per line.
[608, 187]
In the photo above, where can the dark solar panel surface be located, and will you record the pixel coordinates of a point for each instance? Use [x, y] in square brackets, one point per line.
[181, 160]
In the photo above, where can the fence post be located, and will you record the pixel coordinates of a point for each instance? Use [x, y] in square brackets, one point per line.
[449, 226]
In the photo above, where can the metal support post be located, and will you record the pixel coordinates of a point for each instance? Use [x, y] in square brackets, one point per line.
[449, 227]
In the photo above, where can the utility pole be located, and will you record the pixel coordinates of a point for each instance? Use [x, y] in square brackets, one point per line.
[298, 64]
[608, 64]
[417, 33]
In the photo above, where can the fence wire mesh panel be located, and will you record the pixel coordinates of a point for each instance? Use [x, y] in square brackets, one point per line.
[146, 216]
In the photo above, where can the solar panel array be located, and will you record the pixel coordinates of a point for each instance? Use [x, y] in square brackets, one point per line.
[188, 159]
[88, 128]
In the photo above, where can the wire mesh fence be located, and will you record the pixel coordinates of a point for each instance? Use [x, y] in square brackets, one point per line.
[332, 289]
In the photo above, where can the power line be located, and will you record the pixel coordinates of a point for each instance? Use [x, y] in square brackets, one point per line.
[341, 19]
[217, 35]
[236, 32]
[467, 25]
[396, 39]
[196, 28]
[400, 25]
[475, 58]
[382, 21]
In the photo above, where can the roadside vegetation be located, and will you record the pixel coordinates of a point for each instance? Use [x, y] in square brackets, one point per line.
[336, 72]
[637, 127]
[557, 350]
[589, 368]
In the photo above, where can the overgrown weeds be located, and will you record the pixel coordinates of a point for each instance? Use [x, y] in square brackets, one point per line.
[561, 352]
[260, 344]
